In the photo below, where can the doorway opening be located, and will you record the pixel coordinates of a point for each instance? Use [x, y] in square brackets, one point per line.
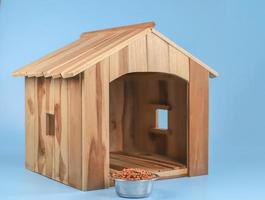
[149, 123]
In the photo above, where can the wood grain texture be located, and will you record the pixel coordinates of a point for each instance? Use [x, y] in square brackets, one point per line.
[118, 64]
[49, 138]
[107, 50]
[177, 98]
[157, 54]
[75, 131]
[30, 67]
[198, 120]
[178, 63]
[95, 46]
[41, 99]
[121, 28]
[36, 125]
[95, 127]
[116, 114]
[61, 130]
[82, 51]
[29, 123]
[137, 55]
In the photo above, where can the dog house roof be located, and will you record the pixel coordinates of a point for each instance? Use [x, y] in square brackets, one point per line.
[91, 48]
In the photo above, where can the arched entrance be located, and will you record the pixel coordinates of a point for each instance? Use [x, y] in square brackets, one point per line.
[140, 136]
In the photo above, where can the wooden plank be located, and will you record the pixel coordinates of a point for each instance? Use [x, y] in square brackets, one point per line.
[28, 68]
[41, 98]
[104, 52]
[75, 131]
[155, 158]
[177, 90]
[95, 127]
[93, 50]
[158, 57]
[85, 48]
[49, 138]
[143, 161]
[198, 120]
[137, 53]
[29, 122]
[61, 130]
[49, 95]
[36, 125]
[158, 131]
[172, 173]
[178, 63]
[118, 64]
[43, 69]
[120, 28]
[211, 71]
[122, 108]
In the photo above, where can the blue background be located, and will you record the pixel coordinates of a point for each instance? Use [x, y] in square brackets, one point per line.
[228, 35]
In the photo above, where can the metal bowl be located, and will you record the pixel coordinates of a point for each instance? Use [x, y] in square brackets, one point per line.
[134, 189]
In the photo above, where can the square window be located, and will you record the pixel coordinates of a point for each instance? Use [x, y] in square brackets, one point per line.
[161, 118]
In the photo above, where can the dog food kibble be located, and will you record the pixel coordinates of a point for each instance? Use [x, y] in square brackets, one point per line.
[133, 174]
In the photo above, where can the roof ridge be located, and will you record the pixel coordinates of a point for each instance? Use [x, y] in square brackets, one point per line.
[119, 28]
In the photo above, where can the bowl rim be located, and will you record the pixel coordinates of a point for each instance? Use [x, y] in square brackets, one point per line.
[144, 180]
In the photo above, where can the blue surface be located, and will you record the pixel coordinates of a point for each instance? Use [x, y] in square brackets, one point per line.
[162, 118]
[228, 35]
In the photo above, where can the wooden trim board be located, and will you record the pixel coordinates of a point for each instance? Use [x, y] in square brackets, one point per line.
[198, 120]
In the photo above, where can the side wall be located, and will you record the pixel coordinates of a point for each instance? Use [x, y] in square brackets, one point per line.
[198, 120]
[53, 145]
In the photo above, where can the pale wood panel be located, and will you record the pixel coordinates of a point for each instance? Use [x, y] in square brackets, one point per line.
[121, 28]
[61, 130]
[198, 120]
[158, 57]
[95, 127]
[49, 138]
[36, 125]
[137, 55]
[73, 54]
[178, 63]
[118, 64]
[75, 131]
[41, 98]
[49, 95]
[29, 122]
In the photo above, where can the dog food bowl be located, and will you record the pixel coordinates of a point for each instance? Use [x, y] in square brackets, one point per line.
[134, 188]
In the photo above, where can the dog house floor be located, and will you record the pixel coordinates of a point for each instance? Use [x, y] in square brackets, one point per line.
[161, 165]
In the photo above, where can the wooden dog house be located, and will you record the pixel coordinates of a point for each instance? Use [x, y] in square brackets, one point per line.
[93, 107]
